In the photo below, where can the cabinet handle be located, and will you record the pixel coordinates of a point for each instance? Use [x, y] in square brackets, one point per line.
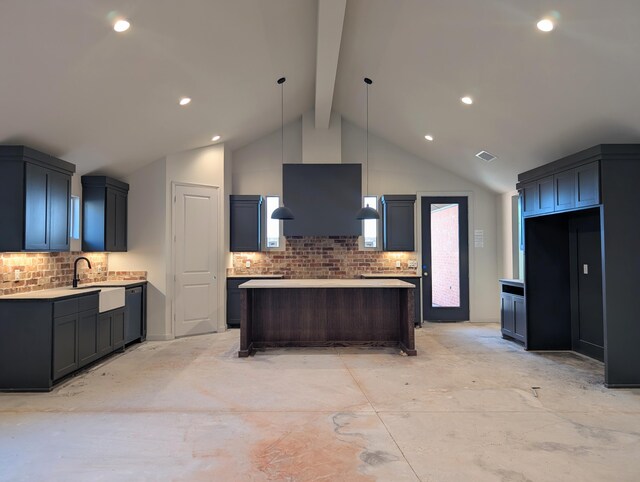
[425, 274]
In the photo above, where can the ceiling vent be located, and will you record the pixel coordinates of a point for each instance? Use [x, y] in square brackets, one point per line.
[486, 156]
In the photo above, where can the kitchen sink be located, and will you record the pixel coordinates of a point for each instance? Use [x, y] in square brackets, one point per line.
[108, 298]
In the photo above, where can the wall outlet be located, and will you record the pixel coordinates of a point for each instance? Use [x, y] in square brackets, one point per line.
[398, 264]
[247, 264]
[413, 263]
[17, 274]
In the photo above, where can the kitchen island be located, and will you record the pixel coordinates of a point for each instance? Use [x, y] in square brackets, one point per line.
[326, 312]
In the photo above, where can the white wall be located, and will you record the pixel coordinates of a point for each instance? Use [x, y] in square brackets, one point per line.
[505, 235]
[150, 229]
[257, 167]
[321, 146]
[257, 170]
[146, 241]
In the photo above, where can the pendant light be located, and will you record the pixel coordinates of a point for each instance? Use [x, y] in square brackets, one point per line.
[282, 212]
[367, 212]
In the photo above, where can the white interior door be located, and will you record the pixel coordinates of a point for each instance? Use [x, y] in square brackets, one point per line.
[196, 260]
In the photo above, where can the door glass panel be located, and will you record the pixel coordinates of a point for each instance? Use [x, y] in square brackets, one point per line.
[445, 256]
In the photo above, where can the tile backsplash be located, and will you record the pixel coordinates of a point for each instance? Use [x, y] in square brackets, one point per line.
[39, 271]
[323, 257]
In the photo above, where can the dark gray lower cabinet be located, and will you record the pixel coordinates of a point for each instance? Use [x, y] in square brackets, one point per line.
[65, 337]
[87, 337]
[233, 298]
[110, 331]
[42, 341]
[513, 316]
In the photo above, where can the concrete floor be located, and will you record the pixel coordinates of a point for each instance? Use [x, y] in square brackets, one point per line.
[462, 410]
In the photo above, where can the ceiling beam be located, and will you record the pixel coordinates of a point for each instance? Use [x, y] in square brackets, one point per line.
[330, 21]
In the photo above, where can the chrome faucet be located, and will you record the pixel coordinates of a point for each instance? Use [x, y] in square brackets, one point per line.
[75, 270]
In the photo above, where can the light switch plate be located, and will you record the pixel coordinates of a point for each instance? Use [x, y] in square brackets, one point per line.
[248, 264]
[17, 274]
[413, 263]
[398, 264]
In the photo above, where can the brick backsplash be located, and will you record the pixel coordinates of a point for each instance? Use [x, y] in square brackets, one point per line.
[40, 271]
[322, 257]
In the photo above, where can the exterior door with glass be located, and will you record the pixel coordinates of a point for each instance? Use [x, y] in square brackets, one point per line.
[445, 258]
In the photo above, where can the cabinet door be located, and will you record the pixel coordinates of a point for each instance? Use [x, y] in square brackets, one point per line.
[507, 314]
[105, 343]
[245, 225]
[233, 302]
[398, 229]
[519, 318]
[36, 236]
[545, 195]
[565, 187]
[65, 338]
[117, 328]
[120, 222]
[588, 185]
[87, 337]
[58, 206]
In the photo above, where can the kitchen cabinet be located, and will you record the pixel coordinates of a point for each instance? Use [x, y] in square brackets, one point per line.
[245, 223]
[513, 316]
[398, 222]
[538, 196]
[104, 208]
[233, 297]
[110, 331]
[564, 190]
[35, 191]
[43, 340]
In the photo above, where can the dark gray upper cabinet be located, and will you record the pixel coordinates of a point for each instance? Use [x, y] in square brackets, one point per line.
[35, 190]
[245, 223]
[398, 230]
[104, 214]
[538, 196]
[564, 190]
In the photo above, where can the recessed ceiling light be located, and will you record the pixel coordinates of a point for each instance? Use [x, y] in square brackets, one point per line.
[185, 100]
[428, 137]
[467, 100]
[545, 25]
[215, 138]
[121, 25]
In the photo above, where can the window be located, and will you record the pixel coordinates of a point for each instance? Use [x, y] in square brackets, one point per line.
[370, 225]
[74, 217]
[273, 225]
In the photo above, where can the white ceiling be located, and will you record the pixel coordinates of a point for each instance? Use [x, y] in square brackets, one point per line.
[73, 87]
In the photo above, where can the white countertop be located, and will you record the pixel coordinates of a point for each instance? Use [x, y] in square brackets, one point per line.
[59, 293]
[326, 283]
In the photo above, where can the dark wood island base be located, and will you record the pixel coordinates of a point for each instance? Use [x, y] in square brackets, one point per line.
[303, 313]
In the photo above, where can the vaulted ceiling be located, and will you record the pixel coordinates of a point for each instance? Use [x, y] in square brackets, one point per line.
[73, 87]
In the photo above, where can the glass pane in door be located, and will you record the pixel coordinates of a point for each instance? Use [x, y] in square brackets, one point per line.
[445, 256]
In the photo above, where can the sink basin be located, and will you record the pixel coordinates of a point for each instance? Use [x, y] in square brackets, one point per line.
[108, 298]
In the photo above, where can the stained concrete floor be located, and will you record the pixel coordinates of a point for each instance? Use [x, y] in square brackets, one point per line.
[462, 410]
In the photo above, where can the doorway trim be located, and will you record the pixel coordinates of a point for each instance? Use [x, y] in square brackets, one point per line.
[471, 222]
[171, 272]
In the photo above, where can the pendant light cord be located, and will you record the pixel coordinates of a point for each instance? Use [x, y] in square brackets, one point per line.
[367, 138]
[282, 120]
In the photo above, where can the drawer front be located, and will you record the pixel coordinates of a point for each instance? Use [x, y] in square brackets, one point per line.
[65, 307]
[86, 303]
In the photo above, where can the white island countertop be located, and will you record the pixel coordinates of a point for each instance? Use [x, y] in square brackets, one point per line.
[326, 283]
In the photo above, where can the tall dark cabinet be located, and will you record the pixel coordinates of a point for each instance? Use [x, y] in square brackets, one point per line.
[581, 258]
[398, 226]
[104, 214]
[35, 193]
[245, 223]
